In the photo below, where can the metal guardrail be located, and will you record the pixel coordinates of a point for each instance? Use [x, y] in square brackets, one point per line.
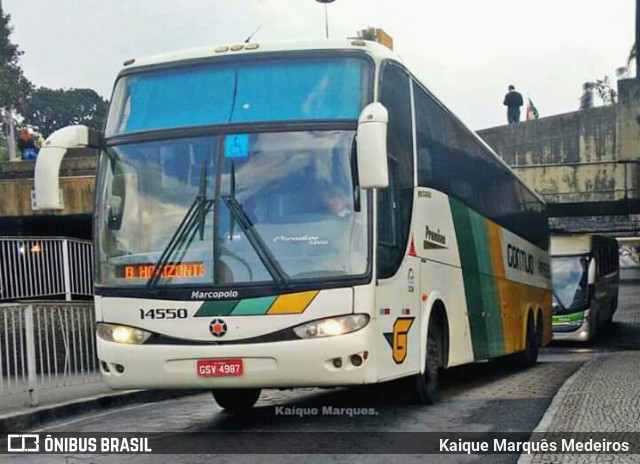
[41, 267]
[46, 346]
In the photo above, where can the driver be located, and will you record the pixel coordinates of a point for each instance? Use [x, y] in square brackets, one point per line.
[337, 203]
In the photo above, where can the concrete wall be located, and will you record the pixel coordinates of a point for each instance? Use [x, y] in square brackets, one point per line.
[77, 197]
[578, 156]
[77, 184]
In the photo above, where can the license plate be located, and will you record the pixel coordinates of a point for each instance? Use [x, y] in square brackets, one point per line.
[219, 367]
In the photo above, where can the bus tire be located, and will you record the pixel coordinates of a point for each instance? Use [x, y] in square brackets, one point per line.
[529, 356]
[594, 323]
[540, 329]
[236, 400]
[426, 384]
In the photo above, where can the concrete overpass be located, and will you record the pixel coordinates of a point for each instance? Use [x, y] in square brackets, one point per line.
[585, 164]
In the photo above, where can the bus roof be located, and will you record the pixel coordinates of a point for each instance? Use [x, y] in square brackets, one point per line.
[373, 48]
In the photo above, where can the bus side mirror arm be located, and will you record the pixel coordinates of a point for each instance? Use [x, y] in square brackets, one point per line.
[46, 194]
[373, 170]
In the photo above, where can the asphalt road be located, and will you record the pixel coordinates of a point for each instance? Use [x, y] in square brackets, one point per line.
[477, 398]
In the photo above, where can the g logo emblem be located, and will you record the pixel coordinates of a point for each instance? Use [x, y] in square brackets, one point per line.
[399, 339]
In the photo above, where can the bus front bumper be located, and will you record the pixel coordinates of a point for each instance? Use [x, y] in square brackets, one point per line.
[576, 331]
[286, 364]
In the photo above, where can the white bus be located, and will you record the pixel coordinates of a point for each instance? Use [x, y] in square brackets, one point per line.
[586, 274]
[305, 215]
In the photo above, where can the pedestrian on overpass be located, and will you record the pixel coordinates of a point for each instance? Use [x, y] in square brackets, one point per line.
[586, 99]
[513, 101]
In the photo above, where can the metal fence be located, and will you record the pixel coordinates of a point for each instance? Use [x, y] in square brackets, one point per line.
[45, 267]
[46, 346]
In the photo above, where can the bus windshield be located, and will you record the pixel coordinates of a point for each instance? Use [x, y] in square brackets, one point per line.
[570, 289]
[231, 208]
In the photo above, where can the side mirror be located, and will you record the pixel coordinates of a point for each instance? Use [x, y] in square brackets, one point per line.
[46, 193]
[592, 270]
[373, 170]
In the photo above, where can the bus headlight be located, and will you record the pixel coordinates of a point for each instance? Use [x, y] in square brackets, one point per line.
[122, 334]
[332, 326]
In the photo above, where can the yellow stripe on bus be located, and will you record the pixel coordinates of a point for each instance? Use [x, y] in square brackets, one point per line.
[515, 298]
[293, 303]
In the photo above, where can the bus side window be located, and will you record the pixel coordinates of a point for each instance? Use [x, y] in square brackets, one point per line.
[396, 201]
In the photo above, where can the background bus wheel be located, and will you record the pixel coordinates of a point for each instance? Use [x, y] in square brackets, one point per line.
[529, 356]
[426, 385]
[236, 400]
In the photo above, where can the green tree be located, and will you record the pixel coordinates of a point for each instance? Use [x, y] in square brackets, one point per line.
[14, 87]
[607, 94]
[50, 109]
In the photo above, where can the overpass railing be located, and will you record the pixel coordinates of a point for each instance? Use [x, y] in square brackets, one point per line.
[46, 345]
[590, 195]
[45, 267]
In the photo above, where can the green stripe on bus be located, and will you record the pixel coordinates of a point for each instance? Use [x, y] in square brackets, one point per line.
[470, 275]
[564, 318]
[481, 287]
[217, 308]
[254, 306]
[489, 285]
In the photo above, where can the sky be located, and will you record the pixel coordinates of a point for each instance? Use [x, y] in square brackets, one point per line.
[466, 51]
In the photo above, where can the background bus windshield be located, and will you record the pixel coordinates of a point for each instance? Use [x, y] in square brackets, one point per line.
[570, 287]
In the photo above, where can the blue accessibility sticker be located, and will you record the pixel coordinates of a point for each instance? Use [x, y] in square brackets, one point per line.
[236, 146]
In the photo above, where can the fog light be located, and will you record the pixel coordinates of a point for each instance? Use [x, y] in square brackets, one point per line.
[356, 360]
[119, 368]
[337, 363]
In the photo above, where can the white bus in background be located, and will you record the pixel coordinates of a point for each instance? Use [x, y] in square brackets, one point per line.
[585, 273]
[307, 214]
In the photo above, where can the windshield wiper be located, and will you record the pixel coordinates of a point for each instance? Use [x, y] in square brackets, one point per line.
[266, 257]
[201, 199]
[232, 222]
[192, 221]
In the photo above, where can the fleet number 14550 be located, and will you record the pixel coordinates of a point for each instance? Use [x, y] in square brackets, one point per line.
[163, 313]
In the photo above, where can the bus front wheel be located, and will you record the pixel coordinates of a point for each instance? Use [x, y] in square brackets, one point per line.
[236, 400]
[426, 384]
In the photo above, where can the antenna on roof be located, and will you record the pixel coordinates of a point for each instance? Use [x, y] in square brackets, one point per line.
[248, 39]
